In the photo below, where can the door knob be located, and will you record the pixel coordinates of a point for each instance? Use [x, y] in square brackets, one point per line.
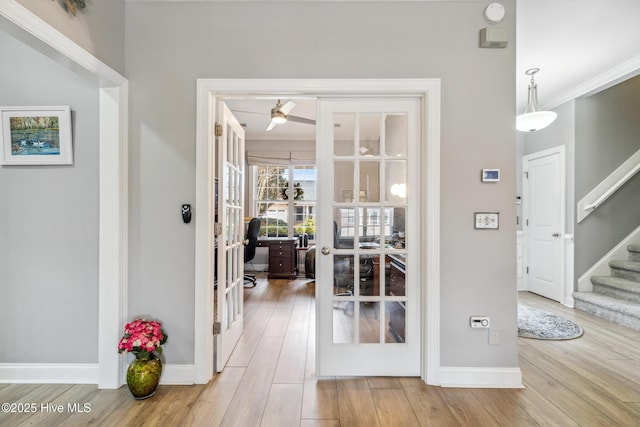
[325, 250]
[555, 235]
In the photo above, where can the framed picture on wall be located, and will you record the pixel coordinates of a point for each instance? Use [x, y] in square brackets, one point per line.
[35, 136]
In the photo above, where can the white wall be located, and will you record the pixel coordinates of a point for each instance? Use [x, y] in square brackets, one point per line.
[169, 46]
[98, 28]
[49, 224]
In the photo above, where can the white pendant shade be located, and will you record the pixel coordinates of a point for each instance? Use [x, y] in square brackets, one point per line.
[531, 122]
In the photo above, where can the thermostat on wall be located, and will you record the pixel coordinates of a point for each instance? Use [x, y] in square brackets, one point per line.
[490, 175]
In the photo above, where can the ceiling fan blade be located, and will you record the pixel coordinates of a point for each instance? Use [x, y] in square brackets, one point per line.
[271, 125]
[286, 108]
[250, 112]
[301, 120]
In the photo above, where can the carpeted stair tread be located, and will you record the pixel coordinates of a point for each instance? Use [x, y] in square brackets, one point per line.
[609, 303]
[625, 265]
[617, 287]
[617, 282]
[633, 247]
[625, 269]
[634, 252]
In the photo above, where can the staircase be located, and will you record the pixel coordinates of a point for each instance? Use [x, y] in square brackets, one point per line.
[616, 297]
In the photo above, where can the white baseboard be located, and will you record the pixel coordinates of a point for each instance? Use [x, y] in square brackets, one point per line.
[80, 373]
[480, 377]
[49, 373]
[173, 374]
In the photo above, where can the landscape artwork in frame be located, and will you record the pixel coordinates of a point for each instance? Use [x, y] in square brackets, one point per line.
[36, 136]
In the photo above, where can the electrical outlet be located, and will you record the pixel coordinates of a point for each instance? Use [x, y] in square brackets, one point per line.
[495, 336]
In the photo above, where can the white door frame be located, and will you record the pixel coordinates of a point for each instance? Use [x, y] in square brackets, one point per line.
[109, 370]
[208, 90]
[559, 150]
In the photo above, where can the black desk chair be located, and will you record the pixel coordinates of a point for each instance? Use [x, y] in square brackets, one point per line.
[250, 242]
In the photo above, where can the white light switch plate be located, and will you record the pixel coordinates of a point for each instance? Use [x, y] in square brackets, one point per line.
[487, 220]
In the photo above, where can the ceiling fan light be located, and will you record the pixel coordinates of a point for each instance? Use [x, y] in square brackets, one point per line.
[278, 117]
[531, 122]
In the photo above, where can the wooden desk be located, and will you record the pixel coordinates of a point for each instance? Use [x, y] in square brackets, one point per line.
[282, 256]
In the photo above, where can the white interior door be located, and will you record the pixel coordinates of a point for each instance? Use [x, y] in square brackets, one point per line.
[544, 223]
[367, 271]
[230, 242]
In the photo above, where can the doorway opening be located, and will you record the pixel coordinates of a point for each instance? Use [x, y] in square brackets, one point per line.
[210, 91]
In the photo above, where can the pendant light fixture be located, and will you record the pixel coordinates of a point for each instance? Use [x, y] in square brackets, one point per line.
[532, 119]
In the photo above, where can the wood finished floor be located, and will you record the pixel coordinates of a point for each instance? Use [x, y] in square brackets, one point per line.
[270, 381]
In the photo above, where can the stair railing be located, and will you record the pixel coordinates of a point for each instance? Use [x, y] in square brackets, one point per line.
[608, 186]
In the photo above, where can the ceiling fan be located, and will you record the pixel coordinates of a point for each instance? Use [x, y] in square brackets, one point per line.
[280, 114]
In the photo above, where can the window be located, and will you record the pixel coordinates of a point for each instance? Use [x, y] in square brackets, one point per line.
[286, 206]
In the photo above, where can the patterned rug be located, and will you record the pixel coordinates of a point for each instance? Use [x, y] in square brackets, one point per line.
[542, 325]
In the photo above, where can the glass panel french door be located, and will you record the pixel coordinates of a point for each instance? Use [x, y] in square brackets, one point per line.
[230, 251]
[367, 280]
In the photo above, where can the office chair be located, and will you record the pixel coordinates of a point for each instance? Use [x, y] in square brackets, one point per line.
[250, 243]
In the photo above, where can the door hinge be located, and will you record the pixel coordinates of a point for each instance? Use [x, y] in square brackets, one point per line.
[526, 175]
[527, 222]
[218, 129]
[217, 328]
[527, 270]
[217, 229]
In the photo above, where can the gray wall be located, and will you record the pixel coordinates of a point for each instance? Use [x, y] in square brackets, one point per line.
[98, 28]
[607, 129]
[49, 224]
[169, 46]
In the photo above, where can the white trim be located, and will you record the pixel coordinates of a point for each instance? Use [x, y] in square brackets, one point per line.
[609, 78]
[174, 374]
[480, 377]
[568, 270]
[429, 89]
[608, 186]
[430, 213]
[113, 211]
[560, 150]
[601, 267]
[520, 274]
[49, 373]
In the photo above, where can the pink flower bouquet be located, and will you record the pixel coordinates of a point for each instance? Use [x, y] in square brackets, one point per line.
[142, 338]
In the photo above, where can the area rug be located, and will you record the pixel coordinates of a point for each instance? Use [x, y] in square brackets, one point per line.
[542, 325]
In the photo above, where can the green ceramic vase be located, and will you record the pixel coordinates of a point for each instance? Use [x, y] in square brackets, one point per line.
[143, 376]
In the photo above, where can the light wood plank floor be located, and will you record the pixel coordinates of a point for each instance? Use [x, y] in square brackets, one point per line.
[270, 381]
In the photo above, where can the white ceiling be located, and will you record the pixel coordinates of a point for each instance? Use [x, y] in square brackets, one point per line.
[255, 116]
[580, 46]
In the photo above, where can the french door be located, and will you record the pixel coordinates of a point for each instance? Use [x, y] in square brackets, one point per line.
[368, 242]
[230, 239]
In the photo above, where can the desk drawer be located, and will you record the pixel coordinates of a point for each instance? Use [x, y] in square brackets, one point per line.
[279, 264]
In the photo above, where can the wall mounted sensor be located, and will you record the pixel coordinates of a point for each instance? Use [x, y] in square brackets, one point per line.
[186, 213]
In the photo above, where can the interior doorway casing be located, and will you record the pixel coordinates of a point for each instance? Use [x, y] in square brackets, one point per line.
[210, 90]
[113, 94]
